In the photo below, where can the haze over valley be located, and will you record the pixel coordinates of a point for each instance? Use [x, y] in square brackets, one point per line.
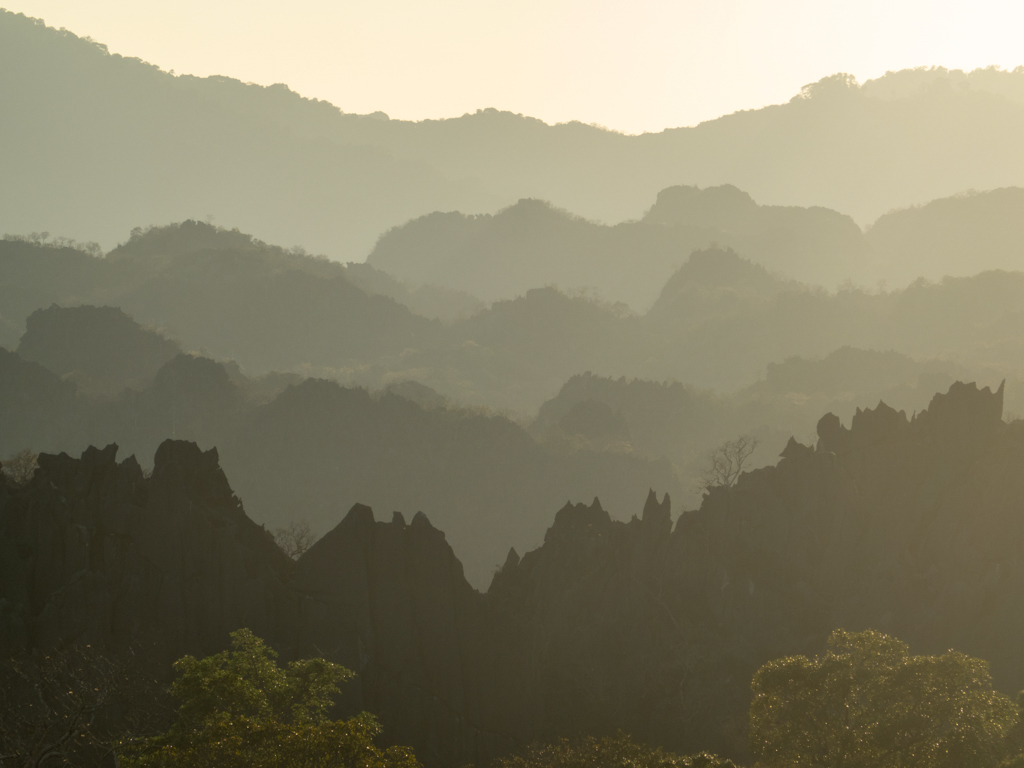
[521, 444]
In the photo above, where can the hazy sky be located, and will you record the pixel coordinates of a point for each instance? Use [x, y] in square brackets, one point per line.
[633, 65]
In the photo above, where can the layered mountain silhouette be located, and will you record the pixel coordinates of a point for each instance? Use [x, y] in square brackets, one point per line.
[956, 236]
[100, 348]
[531, 244]
[220, 291]
[80, 123]
[905, 525]
[718, 321]
[517, 333]
[306, 450]
[685, 424]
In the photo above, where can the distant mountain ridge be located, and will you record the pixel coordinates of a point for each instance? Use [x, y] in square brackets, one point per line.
[303, 449]
[531, 243]
[717, 322]
[684, 423]
[111, 143]
[218, 290]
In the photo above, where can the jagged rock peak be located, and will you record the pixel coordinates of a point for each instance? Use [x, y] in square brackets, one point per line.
[184, 453]
[93, 456]
[577, 517]
[356, 525]
[964, 411]
[61, 469]
[420, 520]
[397, 518]
[181, 463]
[657, 516]
[832, 435]
[512, 560]
[795, 450]
[877, 425]
[506, 574]
[358, 515]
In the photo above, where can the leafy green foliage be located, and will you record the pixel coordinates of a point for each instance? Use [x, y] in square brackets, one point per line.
[867, 702]
[617, 751]
[239, 708]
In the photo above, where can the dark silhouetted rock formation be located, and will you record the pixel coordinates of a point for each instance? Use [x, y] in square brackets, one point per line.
[912, 526]
[479, 477]
[95, 552]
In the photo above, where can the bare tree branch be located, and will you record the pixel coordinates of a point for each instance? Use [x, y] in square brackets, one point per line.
[20, 467]
[295, 539]
[726, 463]
[71, 707]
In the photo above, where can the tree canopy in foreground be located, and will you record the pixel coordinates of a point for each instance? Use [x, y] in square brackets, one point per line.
[240, 709]
[867, 703]
[618, 751]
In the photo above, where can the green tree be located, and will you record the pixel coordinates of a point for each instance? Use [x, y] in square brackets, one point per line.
[240, 709]
[617, 751]
[867, 703]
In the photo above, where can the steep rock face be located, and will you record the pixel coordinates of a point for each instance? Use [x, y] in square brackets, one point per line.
[416, 631]
[910, 526]
[95, 552]
[584, 618]
[913, 526]
[479, 477]
[92, 551]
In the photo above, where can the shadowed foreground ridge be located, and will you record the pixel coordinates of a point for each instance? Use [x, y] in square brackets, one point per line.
[907, 525]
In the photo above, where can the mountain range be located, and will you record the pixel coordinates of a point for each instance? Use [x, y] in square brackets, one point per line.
[294, 170]
[651, 625]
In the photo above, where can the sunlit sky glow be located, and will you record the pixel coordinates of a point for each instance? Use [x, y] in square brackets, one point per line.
[632, 65]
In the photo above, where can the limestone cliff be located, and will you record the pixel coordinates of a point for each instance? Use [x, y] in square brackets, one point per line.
[914, 526]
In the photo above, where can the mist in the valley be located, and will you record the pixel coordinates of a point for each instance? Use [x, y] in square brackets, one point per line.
[577, 448]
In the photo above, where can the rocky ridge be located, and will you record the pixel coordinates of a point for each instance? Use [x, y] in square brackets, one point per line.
[911, 525]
